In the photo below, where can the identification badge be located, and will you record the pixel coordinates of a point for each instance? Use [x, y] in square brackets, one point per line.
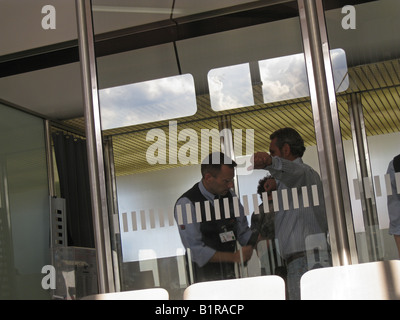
[227, 236]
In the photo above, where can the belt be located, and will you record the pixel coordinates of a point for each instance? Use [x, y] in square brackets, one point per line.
[294, 256]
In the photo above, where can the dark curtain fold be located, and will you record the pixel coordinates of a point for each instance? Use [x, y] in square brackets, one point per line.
[71, 159]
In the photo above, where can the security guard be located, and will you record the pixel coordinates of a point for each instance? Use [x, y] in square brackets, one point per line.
[212, 240]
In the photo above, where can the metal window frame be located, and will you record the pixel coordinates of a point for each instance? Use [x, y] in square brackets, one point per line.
[95, 151]
[328, 134]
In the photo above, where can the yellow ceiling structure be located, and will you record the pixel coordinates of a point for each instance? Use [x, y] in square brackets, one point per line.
[378, 84]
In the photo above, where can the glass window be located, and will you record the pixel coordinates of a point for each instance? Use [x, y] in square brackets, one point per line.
[369, 115]
[148, 101]
[230, 87]
[24, 206]
[285, 78]
[282, 78]
[171, 225]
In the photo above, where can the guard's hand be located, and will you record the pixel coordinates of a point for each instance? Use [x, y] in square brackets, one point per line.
[246, 253]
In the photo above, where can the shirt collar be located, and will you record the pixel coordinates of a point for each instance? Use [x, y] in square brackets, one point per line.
[204, 192]
[298, 160]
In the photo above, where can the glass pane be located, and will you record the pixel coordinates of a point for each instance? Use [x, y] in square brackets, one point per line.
[230, 87]
[282, 78]
[369, 115]
[173, 230]
[148, 101]
[285, 78]
[24, 209]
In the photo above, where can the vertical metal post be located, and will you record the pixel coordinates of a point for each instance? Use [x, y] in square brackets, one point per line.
[226, 138]
[227, 147]
[364, 173]
[50, 179]
[7, 267]
[94, 146]
[49, 158]
[113, 210]
[256, 82]
[327, 130]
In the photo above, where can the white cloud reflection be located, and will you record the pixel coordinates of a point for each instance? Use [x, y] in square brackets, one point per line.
[148, 101]
[282, 78]
[230, 87]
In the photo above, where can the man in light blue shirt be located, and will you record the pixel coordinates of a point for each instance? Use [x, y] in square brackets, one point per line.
[393, 201]
[296, 222]
[209, 233]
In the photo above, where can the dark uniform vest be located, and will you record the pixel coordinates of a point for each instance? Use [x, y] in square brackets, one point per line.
[211, 231]
[396, 163]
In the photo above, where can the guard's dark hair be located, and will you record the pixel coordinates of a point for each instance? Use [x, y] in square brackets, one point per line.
[292, 138]
[213, 162]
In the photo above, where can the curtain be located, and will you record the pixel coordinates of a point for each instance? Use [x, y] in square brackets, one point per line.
[72, 165]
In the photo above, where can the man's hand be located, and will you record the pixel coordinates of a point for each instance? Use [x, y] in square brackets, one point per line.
[235, 257]
[247, 252]
[260, 160]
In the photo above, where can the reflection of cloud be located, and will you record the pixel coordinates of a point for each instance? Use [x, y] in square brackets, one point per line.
[220, 97]
[275, 90]
[230, 87]
[148, 101]
[340, 71]
[285, 78]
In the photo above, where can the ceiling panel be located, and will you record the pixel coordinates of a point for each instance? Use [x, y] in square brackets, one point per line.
[53, 93]
[111, 15]
[24, 18]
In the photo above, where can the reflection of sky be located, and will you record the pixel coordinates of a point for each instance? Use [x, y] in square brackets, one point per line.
[230, 87]
[149, 101]
[340, 71]
[283, 78]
